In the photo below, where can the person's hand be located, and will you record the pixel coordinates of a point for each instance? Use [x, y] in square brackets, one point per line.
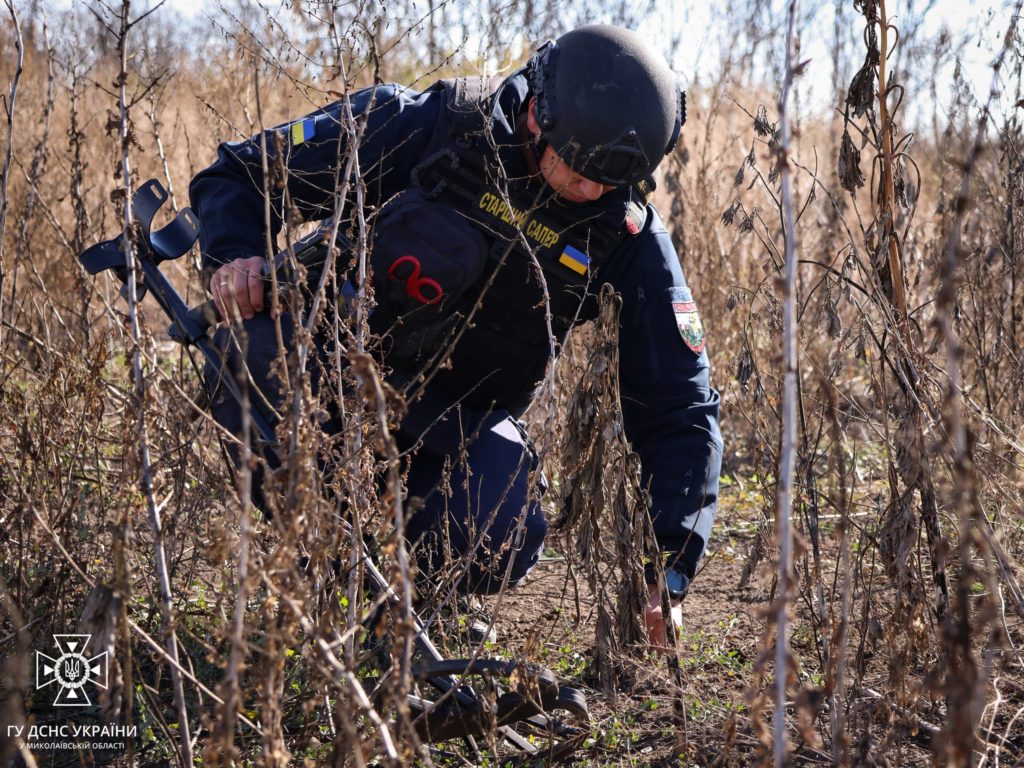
[656, 620]
[237, 287]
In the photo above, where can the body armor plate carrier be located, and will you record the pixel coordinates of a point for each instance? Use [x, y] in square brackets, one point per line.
[470, 265]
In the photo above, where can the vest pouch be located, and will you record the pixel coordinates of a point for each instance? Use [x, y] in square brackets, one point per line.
[425, 256]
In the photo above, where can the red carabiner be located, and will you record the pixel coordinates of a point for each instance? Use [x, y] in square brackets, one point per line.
[425, 290]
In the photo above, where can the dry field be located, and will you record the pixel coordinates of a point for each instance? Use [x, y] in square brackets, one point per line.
[890, 442]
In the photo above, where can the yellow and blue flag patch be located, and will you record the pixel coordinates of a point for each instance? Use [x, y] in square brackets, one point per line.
[574, 259]
[303, 131]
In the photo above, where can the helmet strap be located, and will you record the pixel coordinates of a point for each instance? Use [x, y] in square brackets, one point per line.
[535, 142]
[537, 147]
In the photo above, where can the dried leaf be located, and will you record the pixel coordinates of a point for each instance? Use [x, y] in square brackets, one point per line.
[900, 184]
[744, 367]
[850, 175]
[898, 537]
[761, 125]
[730, 213]
[869, 8]
[835, 323]
[862, 90]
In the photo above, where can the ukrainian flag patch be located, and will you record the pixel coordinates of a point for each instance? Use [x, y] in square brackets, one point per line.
[574, 259]
[303, 131]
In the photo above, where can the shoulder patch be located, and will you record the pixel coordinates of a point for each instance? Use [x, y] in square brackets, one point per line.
[636, 216]
[636, 208]
[303, 131]
[688, 322]
[574, 259]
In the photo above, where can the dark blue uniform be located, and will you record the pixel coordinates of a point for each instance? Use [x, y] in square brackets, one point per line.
[488, 507]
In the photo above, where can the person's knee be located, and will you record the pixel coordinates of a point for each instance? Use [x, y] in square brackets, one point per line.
[489, 525]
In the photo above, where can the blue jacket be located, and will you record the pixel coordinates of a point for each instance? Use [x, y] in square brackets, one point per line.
[669, 407]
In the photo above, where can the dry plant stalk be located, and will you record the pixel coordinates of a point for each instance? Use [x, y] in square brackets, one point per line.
[878, 451]
[888, 220]
[966, 676]
[601, 492]
[142, 432]
[787, 450]
[9, 107]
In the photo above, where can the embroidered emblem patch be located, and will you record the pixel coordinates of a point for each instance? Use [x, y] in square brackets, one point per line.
[635, 216]
[690, 327]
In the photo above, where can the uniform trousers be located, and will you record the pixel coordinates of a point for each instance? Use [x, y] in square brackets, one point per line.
[472, 486]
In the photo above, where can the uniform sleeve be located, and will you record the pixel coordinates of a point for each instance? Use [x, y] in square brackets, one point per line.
[228, 196]
[669, 408]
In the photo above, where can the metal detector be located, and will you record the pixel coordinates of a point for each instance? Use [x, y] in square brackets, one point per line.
[521, 710]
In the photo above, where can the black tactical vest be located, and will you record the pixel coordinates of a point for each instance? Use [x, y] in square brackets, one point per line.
[479, 276]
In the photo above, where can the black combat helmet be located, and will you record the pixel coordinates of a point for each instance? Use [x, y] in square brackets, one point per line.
[606, 103]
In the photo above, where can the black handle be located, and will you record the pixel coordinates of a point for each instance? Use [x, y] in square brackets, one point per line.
[194, 322]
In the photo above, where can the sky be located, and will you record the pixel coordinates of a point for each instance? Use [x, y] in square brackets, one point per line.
[989, 19]
[700, 54]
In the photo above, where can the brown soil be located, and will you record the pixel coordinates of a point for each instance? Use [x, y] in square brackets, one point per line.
[551, 619]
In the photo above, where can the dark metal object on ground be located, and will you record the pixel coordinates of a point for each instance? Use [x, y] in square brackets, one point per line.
[456, 709]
